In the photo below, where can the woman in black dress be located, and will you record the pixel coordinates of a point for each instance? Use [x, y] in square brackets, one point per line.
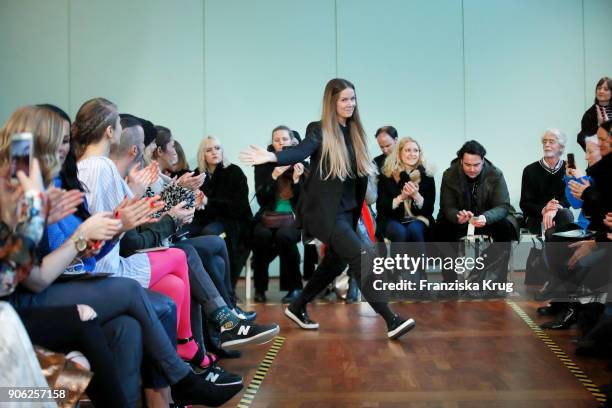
[330, 205]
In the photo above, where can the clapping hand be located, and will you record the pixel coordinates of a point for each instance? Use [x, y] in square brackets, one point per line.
[139, 180]
[191, 182]
[62, 203]
[135, 212]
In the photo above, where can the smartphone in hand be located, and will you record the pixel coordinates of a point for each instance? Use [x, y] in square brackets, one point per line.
[20, 154]
[571, 162]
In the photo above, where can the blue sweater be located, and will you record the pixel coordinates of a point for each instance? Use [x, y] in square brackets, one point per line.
[62, 230]
[574, 202]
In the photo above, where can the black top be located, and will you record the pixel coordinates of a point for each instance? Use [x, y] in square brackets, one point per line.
[320, 203]
[540, 185]
[348, 203]
[588, 125]
[597, 198]
[388, 189]
[228, 195]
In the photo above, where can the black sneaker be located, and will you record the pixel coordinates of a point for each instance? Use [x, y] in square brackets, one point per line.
[245, 332]
[399, 327]
[302, 319]
[195, 389]
[219, 376]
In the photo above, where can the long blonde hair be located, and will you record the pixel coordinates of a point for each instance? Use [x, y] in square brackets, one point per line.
[393, 163]
[205, 144]
[47, 129]
[334, 155]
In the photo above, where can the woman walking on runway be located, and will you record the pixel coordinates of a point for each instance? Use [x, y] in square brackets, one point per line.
[333, 196]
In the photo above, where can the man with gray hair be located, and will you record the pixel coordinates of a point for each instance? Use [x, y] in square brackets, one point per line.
[543, 200]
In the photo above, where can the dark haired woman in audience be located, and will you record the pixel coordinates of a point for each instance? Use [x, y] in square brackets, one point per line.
[226, 202]
[181, 166]
[333, 197]
[599, 112]
[277, 189]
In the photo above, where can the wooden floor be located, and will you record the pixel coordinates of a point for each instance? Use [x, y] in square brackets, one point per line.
[461, 354]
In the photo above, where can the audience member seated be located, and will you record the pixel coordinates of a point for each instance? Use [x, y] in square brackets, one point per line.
[474, 192]
[209, 250]
[542, 199]
[181, 166]
[406, 197]
[386, 137]
[277, 189]
[592, 156]
[580, 264]
[597, 204]
[82, 241]
[226, 203]
[599, 112]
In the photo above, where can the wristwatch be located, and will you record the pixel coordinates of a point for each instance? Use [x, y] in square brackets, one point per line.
[80, 243]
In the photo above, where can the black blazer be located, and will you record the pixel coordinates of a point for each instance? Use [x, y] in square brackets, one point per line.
[588, 125]
[388, 189]
[320, 202]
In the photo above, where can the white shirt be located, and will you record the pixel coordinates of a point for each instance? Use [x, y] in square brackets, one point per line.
[104, 190]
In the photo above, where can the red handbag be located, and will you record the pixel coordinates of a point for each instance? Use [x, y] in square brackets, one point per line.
[273, 219]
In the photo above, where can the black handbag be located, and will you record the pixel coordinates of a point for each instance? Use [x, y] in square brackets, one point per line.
[536, 270]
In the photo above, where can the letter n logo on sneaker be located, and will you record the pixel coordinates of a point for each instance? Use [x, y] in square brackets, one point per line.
[212, 377]
[243, 330]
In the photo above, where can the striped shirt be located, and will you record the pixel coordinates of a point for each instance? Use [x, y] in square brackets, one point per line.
[605, 111]
[104, 190]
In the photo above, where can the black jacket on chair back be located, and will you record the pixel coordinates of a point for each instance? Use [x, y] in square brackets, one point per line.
[319, 203]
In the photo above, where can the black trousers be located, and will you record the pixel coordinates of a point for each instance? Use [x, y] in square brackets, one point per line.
[344, 248]
[269, 243]
[500, 231]
[61, 329]
[124, 339]
[110, 298]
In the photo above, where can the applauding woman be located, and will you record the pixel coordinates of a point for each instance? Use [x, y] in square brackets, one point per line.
[406, 194]
[333, 196]
[277, 190]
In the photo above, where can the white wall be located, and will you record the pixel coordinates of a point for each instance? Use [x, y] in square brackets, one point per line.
[442, 71]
